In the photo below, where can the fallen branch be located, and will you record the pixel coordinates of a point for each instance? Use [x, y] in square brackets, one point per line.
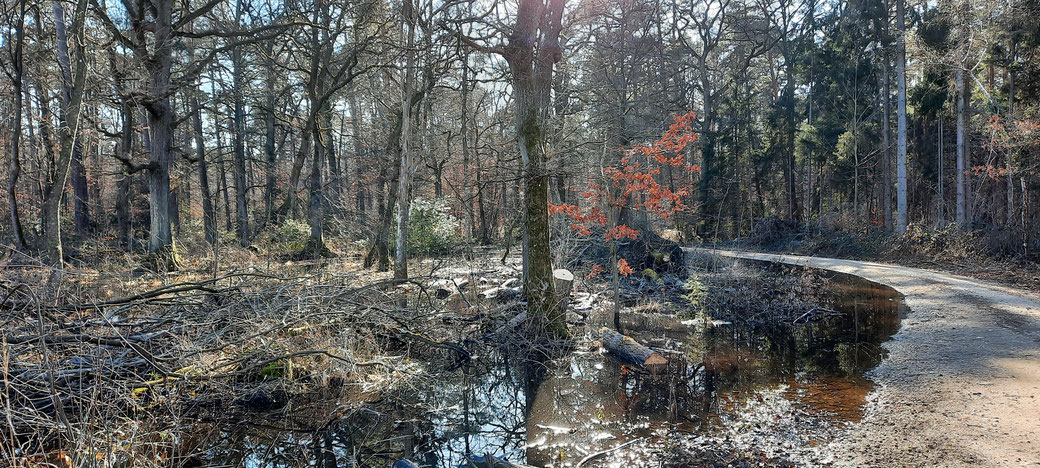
[601, 453]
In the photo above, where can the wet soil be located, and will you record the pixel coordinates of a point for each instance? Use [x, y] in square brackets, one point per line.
[961, 383]
[740, 392]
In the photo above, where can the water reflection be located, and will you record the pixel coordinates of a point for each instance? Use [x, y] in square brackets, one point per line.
[775, 377]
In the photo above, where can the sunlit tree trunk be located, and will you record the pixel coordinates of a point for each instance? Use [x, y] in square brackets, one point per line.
[532, 71]
[359, 156]
[1010, 179]
[886, 132]
[269, 133]
[78, 176]
[901, 190]
[406, 165]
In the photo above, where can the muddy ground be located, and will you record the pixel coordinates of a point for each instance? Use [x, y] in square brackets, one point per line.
[961, 384]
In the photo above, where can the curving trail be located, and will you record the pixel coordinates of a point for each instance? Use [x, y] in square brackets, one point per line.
[961, 384]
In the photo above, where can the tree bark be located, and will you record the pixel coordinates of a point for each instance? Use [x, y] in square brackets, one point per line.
[238, 134]
[406, 165]
[16, 131]
[209, 216]
[901, 190]
[1010, 179]
[631, 352]
[269, 134]
[81, 210]
[359, 157]
[962, 150]
[886, 131]
[531, 72]
[379, 253]
[72, 103]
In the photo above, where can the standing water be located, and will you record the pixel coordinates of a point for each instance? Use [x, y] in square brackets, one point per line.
[780, 388]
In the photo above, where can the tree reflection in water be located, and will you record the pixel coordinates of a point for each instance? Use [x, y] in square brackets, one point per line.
[549, 412]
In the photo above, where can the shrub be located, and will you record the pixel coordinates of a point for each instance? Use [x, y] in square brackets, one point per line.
[292, 235]
[432, 229]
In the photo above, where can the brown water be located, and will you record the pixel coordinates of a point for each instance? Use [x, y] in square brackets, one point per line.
[776, 386]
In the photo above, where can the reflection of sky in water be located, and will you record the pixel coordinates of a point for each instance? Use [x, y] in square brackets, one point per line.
[496, 417]
[765, 386]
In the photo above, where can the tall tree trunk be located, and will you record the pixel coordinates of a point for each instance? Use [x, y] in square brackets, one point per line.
[465, 186]
[886, 132]
[239, 169]
[160, 123]
[269, 133]
[238, 134]
[708, 164]
[794, 211]
[224, 189]
[123, 187]
[332, 199]
[962, 149]
[379, 252]
[319, 108]
[315, 214]
[1010, 180]
[81, 195]
[939, 176]
[532, 78]
[306, 133]
[209, 216]
[81, 209]
[1026, 229]
[901, 190]
[359, 157]
[406, 166]
[72, 103]
[124, 153]
[16, 130]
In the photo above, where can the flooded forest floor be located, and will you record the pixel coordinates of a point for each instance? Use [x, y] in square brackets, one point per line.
[298, 364]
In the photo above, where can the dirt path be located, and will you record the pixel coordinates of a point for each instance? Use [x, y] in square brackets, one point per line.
[961, 385]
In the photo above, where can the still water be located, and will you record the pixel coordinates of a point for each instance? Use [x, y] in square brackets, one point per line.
[770, 384]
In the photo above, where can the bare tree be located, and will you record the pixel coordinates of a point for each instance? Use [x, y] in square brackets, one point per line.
[407, 165]
[73, 84]
[17, 82]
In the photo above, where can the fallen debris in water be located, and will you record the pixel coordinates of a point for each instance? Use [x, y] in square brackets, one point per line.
[629, 351]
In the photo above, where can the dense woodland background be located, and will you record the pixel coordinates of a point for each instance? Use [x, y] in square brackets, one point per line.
[139, 125]
[177, 172]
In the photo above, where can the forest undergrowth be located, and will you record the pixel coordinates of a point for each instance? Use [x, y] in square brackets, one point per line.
[124, 367]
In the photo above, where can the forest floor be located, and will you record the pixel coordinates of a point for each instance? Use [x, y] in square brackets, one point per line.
[961, 383]
[217, 362]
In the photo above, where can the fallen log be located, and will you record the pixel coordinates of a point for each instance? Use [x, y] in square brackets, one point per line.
[512, 323]
[631, 352]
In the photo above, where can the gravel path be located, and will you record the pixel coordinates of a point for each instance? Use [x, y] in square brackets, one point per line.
[961, 384]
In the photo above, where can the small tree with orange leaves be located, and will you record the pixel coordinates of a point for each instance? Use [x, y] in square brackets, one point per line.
[633, 184]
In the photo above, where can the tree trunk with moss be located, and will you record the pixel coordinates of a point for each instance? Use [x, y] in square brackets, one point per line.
[532, 51]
